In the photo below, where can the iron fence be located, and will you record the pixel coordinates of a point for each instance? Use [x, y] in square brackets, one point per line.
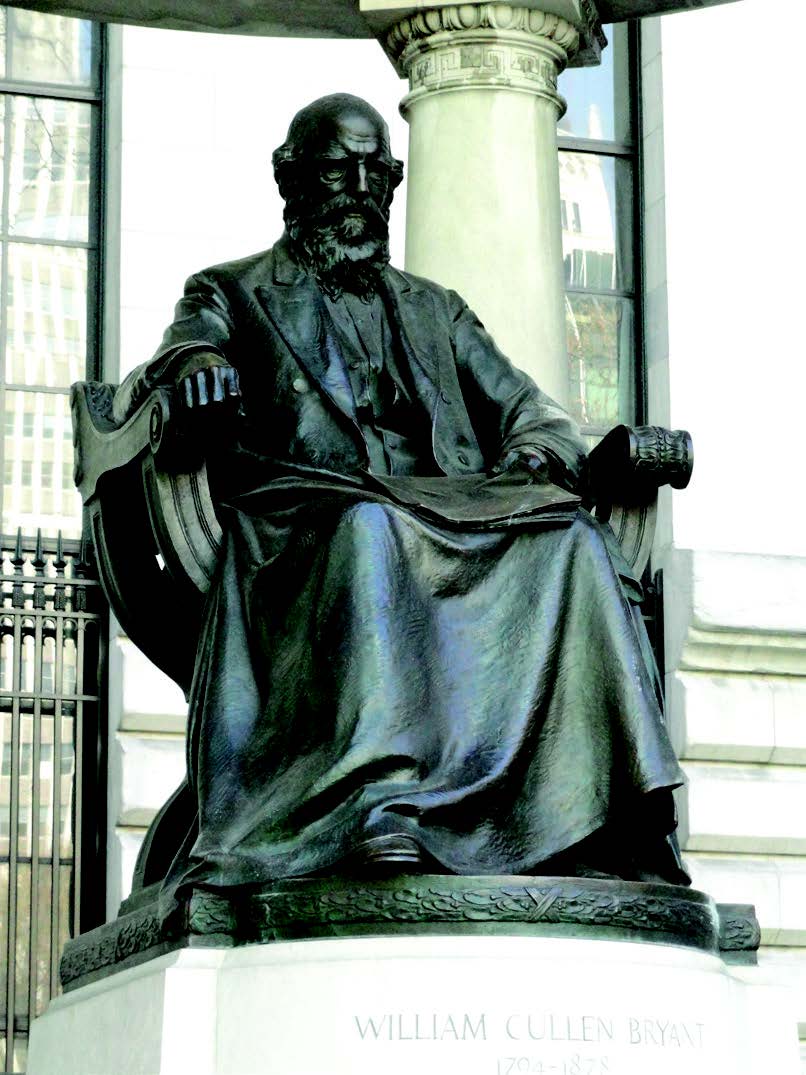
[53, 630]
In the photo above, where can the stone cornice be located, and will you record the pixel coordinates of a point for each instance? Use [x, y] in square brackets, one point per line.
[618, 10]
[320, 18]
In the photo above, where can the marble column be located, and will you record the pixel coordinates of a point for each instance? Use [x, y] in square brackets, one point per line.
[483, 212]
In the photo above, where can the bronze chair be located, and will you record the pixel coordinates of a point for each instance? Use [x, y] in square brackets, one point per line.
[152, 520]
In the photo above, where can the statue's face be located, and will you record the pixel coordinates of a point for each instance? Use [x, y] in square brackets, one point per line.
[345, 183]
[347, 160]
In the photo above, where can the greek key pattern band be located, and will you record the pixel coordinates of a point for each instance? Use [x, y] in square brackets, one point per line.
[484, 46]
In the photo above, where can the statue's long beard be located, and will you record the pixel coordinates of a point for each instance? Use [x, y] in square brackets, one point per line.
[345, 246]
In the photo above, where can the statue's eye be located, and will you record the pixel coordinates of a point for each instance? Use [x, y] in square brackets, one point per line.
[332, 175]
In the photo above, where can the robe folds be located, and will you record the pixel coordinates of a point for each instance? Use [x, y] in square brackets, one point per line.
[427, 651]
[377, 660]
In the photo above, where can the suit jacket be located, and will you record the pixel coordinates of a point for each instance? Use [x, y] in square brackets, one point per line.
[266, 317]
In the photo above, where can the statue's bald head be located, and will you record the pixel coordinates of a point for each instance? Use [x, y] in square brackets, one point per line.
[340, 120]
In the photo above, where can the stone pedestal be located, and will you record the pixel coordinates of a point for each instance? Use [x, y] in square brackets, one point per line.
[483, 201]
[479, 1005]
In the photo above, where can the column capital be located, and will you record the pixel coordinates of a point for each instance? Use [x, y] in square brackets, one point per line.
[482, 46]
[583, 15]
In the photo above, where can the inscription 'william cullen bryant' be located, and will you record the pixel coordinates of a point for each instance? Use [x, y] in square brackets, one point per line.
[543, 1026]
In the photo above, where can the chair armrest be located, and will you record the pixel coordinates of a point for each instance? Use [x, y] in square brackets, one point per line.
[625, 471]
[152, 520]
[101, 445]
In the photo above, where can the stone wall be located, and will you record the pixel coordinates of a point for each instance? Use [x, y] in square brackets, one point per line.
[724, 227]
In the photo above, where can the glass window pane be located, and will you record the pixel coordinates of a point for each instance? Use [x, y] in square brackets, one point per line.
[598, 97]
[3, 100]
[46, 315]
[22, 964]
[3, 21]
[35, 492]
[43, 968]
[596, 209]
[4, 847]
[67, 785]
[601, 348]
[49, 170]
[50, 48]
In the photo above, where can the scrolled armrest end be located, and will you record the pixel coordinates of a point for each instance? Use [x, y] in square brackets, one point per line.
[630, 464]
[101, 444]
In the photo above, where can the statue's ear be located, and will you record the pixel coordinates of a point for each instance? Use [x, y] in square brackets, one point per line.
[283, 161]
[396, 170]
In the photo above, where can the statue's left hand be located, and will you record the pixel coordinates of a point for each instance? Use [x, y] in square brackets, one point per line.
[531, 460]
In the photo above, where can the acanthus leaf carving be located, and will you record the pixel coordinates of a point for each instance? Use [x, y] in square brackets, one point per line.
[414, 29]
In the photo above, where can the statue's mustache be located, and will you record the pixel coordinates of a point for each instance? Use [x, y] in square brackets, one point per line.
[332, 212]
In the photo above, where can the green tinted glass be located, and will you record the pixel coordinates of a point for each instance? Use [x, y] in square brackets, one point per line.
[600, 342]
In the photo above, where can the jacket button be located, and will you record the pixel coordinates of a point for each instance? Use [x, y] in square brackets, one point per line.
[445, 397]
[462, 459]
[299, 384]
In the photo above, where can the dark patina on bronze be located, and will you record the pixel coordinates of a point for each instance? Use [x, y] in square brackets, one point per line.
[585, 908]
[404, 602]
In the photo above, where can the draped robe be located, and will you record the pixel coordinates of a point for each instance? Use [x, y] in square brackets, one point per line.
[410, 646]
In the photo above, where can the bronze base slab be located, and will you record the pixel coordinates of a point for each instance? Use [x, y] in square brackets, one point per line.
[415, 904]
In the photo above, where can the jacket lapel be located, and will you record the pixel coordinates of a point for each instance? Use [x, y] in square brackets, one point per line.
[426, 343]
[297, 312]
[412, 309]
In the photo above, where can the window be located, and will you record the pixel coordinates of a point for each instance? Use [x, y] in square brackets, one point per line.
[50, 123]
[50, 98]
[598, 163]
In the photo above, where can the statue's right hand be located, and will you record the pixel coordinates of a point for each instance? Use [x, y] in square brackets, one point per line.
[215, 387]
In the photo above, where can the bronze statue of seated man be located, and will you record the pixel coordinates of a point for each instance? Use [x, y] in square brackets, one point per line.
[419, 650]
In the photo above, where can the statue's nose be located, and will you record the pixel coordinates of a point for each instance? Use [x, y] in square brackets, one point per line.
[361, 186]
